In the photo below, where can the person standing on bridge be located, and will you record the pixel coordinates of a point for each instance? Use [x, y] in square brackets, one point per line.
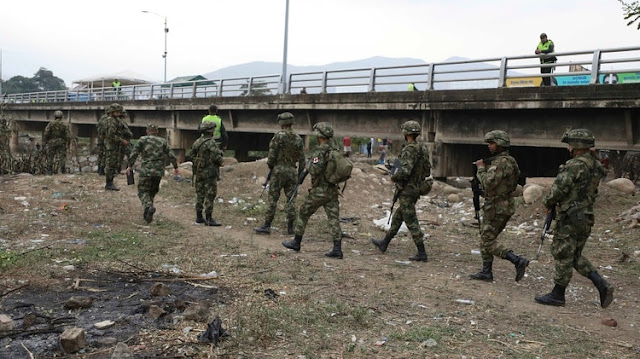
[286, 152]
[153, 151]
[220, 135]
[207, 159]
[321, 194]
[546, 47]
[113, 141]
[56, 139]
[499, 178]
[414, 168]
[572, 194]
[116, 87]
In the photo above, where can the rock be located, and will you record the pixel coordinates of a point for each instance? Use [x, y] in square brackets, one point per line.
[6, 323]
[160, 290]
[106, 341]
[121, 351]
[93, 158]
[28, 320]
[86, 169]
[518, 192]
[356, 172]
[623, 185]
[381, 169]
[77, 302]
[260, 180]
[198, 313]
[229, 161]
[103, 324]
[609, 322]
[453, 198]
[449, 189]
[532, 193]
[72, 340]
[156, 312]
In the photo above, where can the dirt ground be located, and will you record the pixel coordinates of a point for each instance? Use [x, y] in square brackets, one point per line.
[64, 236]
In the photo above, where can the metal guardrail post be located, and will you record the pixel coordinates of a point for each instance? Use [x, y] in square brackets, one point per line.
[220, 89]
[430, 77]
[502, 77]
[171, 91]
[323, 89]
[595, 68]
[194, 89]
[290, 83]
[249, 86]
[372, 80]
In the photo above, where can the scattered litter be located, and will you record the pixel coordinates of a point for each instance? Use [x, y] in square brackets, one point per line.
[186, 330]
[269, 293]
[353, 338]
[251, 219]
[382, 223]
[234, 255]
[380, 343]
[104, 324]
[228, 227]
[171, 268]
[57, 195]
[475, 251]
[403, 262]
[69, 268]
[63, 207]
[20, 199]
[428, 343]
[465, 301]
[212, 274]
[214, 332]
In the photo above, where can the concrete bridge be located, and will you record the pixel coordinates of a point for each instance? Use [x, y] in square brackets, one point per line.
[453, 121]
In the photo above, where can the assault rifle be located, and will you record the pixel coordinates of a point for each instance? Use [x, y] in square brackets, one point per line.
[265, 185]
[392, 170]
[301, 178]
[476, 188]
[551, 215]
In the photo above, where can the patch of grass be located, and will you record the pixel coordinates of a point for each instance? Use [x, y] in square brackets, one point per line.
[419, 334]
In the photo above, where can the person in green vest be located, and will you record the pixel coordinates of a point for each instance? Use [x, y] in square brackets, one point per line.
[545, 47]
[220, 134]
[412, 87]
[116, 87]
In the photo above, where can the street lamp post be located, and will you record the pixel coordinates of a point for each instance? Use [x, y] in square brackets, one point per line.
[283, 79]
[166, 31]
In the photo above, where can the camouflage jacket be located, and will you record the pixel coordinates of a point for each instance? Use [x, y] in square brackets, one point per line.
[154, 151]
[101, 128]
[124, 129]
[113, 131]
[576, 184]
[206, 158]
[56, 132]
[317, 165]
[499, 178]
[286, 149]
[414, 167]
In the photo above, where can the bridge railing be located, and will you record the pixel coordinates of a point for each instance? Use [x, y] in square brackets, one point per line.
[617, 65]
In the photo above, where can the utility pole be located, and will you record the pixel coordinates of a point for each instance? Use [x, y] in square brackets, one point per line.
[283, 79]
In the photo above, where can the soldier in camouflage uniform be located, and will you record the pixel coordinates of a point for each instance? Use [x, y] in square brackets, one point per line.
[125, 150]
[285, 150]
[631, 165]
[572, 194]
[415, 167]
[321, 194]
[206, 158]
[113, 142]
[153, 151]
[499, 179]
[101, 129]
[55, 139]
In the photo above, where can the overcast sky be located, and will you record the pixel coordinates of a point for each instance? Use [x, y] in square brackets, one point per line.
[79, 39]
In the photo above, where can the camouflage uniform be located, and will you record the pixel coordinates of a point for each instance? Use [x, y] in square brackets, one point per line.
[55, 139]
[207, 159]
[101, 130]
[414, 168]
[154, 151]
[631, 165]
[127, 135]
[499, 179]
[285, 151]
[112, 146]
[572, 194]
[321, 194]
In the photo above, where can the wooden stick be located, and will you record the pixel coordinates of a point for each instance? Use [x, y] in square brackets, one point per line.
[13, 290]
[28, 351]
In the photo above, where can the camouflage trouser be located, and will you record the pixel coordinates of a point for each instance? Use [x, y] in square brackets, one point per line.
[631, 165]
[568, 241]
[495, 216]
[326, 197]
[56, 156]
[281, 178]
[125, 151]
[206, 191]
[406, 213]
[147, 190]
[111, 160]
[100, 150]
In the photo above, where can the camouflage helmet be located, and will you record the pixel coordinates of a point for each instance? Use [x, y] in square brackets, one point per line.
[285, 118]
[323, 129]
[115, 107]
[208, 126]
[58, 114]
[579, 138]
[411, 128]
[498, 137]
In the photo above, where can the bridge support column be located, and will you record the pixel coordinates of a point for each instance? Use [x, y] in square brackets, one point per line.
[176, 141]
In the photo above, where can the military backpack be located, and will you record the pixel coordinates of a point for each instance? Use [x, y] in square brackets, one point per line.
[338, 167]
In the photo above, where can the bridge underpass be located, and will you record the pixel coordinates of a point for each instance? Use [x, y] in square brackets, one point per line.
[454, 121]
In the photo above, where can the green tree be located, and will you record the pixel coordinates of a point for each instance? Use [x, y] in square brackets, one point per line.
[631, 12]
[257, 89]
[19, 84]
[43, 80]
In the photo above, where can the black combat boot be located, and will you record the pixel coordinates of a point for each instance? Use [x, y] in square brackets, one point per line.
[604, 288]
[290, 229]
[110, 186]
[211, 222]
[63, 170]
[555, 298]
[199, 218]
[382, 244]
[336, 252]
[265, 229]
[294, 243]
[486, 274]
[521, 264]
[148, 214]
[101, 170]
[422, 254]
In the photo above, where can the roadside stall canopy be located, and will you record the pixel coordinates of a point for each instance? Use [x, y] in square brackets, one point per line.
[126, 78]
